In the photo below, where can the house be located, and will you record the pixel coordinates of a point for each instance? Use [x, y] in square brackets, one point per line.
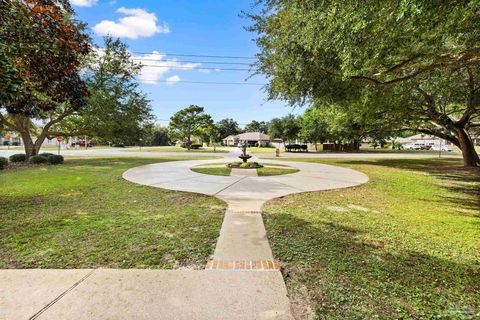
[231, 140]
[423, 140]
[13, 140]
[16, 140]
[250, 138]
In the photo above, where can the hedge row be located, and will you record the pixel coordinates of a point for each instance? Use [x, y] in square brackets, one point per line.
[296, 147]
[49, 158]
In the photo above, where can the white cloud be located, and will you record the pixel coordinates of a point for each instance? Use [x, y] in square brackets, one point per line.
[172, 80]
[136, 23]
[83, 3]
[156, 66]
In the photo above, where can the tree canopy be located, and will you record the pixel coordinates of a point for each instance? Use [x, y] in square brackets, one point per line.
[286, 128]
[188, 122]
[117, 111]
[227, 127]
[41, 50]
[414, 61]
[256, 126]
[159, 136]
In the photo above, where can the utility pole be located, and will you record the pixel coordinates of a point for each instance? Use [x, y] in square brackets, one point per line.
[440, 149]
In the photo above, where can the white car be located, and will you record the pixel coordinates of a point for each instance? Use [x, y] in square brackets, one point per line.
[413, 146]
[442, 148]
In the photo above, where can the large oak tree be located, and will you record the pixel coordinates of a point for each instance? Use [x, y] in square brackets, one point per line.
[41, 48]
[417, 61]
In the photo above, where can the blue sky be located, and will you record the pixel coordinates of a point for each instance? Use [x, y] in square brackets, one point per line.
[203, 27]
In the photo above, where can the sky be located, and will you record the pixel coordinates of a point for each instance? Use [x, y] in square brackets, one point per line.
[159, 32]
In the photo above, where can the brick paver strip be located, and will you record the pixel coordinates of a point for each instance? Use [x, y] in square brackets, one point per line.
[243, 265]
[250, 212]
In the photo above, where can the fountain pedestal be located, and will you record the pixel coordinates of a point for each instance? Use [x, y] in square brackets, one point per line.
[244, 156]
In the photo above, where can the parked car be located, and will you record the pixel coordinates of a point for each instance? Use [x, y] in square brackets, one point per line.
[413, 146]
[418, 146]
[81, 143]
[442, 148]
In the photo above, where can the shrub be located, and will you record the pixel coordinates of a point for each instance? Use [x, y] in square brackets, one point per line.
[118, 145]
[55, 159]
[46, 154]
[250, 165]
[296, 147]
[195, 146]
[38, 159]
[15, 143]
[6, 143]
[19, 157]
[3, 162]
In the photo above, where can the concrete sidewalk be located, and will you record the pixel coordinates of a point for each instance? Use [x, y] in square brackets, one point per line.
[141, 294]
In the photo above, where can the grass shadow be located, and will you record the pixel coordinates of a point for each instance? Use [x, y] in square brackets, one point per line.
[351, 275]
[464, 182]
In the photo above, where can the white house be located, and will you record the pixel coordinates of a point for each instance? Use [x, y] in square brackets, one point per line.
[418, 140]
[250, 138]
[16, 140]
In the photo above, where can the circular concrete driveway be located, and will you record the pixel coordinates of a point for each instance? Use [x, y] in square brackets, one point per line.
[176, 175]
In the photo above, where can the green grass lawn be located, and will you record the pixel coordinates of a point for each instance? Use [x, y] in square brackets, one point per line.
[273, 164]
[275, 171]
[176, 149]
[223, 171]
[363, 150]
[406, 245]
[83, 214]
[262, 150]
[389, 150]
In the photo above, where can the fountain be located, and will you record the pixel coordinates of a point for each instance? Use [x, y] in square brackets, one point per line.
[244, 164]
[244, 156]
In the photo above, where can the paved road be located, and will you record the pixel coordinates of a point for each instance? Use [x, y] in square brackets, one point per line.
[234, 152]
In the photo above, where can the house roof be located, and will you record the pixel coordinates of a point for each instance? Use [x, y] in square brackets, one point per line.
[418, 137]
[250, 136]
[253, 136]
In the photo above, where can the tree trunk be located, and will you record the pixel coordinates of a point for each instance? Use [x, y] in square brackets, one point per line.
[356, 145]
[28, 144]
[189, 140]
[22, 126]
[470, 156]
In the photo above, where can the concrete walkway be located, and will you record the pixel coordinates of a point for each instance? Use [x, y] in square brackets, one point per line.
[141, 294]
[242, 281]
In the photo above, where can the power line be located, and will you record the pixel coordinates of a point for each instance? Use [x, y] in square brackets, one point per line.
[196, 68]
[194, 55]
[207, 82]
[188, 61]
